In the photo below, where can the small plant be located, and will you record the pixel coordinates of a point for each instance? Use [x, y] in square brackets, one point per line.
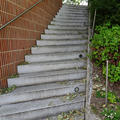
[113, 72]
[94, 109]
[111, 96]
[7, 90]
[69, 115]
[14, 76]
[111, 113]
[24, 63]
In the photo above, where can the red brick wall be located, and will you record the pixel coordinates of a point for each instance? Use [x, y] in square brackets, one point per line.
[17, 38]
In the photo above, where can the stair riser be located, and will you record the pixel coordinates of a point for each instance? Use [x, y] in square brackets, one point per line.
[63, 36]
[69, 20]
[71, 17]
[40, 80]
[60, 42]
[73, 10]
[74, 7]
[53, 27]
[59, 49]
[69, 24]
[64, 32]
[38, 95]
[45, 58]
[52, 73]
[71, 13]
[40, 114]
[39, 68]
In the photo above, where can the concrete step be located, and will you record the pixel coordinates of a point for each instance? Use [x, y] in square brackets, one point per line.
[73, 12]
[71, 17]
[60, 48]
[80, 14]
[47, 66]
[25, 81]
[69, 24]
[37, 92]
[52, 41]
[66, 27]
[54, 56]
[53, 72]
[65, 32]
[56, 37]
[74, 9]
[75, 6]
[69, 20]
[36, 110]
[76, 117]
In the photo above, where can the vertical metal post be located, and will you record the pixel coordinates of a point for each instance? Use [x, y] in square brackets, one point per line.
[106, 90]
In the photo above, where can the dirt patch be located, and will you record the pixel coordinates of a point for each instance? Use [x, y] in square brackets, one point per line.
[98, 104]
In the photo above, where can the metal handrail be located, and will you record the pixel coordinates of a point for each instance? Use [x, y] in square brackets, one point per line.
[25, 11]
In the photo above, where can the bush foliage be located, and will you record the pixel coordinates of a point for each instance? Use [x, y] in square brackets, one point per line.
[107, 10]
[105, 45]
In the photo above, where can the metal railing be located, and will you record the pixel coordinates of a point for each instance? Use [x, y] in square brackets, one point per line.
[18, 16]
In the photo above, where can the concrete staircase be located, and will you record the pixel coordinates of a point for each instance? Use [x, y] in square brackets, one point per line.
[56, 69]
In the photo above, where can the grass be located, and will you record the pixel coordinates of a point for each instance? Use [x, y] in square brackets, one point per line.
[23, 63]
[94, 109]
[7, 90]
[14, 76]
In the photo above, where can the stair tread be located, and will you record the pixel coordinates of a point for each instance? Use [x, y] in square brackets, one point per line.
[54, 56]
[53, 72]
[54, 62]
[37, 105]
[34, 80]
[47, 87]
[57, 54]
[60, 46]
[36, 92]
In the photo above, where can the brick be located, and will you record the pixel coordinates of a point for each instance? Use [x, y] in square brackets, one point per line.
[18, 37]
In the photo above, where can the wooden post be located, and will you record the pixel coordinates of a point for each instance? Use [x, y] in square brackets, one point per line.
[106, 90]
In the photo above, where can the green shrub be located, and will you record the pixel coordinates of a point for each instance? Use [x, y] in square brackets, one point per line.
[111, 113]
[112, 98]
[113, 72]
[105, 45]
[107, 10]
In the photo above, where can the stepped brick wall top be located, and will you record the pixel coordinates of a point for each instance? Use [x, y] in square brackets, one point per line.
[17, 38]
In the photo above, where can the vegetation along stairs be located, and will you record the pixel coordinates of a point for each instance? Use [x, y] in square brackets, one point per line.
[56, 69]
